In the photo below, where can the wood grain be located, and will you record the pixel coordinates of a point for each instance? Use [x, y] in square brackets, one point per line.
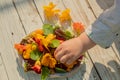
[11, 31]
[3, 74]
[20, 17]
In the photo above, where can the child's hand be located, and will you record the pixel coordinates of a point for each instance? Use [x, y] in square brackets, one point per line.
[71, 50]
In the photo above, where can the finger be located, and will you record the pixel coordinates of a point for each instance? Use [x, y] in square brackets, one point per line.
[59, 55]
[65, 58]
[70, 61]
[57, 50]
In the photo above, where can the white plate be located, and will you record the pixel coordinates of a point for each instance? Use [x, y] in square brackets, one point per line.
[56, 75]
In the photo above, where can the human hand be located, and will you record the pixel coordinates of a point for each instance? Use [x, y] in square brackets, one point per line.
[72, 49]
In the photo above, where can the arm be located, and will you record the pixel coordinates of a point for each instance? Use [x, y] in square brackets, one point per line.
[107, 27]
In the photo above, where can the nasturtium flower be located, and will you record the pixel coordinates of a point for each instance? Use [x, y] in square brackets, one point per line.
[65, 16]
[48, 60]
[28, 46]
[43, 41]
[34, 33]
[50, 11]
[39, 36]
[46, 41]
[37, 62]
[39, 31]
[50, 37]
[20, 48]
[26, 53]
[34, 47]
[37, 67]
[78, 27]
[52, 63]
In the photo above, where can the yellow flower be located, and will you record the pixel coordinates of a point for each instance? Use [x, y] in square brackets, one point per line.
[47, 60]
[50, 37]
[26, 54]
[49, 10]
[34, 33]
[47, 40]
[65, 16]
[52, 63]
[34, 47]
[39, 36]
[37, 63]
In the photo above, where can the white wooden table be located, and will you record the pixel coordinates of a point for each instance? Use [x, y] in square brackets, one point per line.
[20, 17]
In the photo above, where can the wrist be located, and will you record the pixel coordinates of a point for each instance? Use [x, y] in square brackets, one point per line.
[86, 42]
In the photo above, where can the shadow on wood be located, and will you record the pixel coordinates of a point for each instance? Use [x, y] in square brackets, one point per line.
[105, 4]
[8, 5]
[111, 72]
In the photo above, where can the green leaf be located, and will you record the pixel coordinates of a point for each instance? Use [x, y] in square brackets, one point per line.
[45, 73]
[60, 70]
[25, 66]
[54, 43]
[68, 35]
[34, 55]
[48, 29]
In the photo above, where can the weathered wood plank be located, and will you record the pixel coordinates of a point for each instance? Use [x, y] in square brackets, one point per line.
[28, 14]
[3, 74]
[8, 22]
[116, 47]
[10, 31]
[39, 4]
[106, 63]
[95, 8]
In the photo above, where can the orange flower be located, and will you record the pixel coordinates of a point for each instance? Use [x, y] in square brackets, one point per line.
[49, 11]
[37, 67]
[20, 48]
[39, 31]
[78, 27]
[47, 60]
[65, 16]
[26, 53]
[36, 32]
[52, 63]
